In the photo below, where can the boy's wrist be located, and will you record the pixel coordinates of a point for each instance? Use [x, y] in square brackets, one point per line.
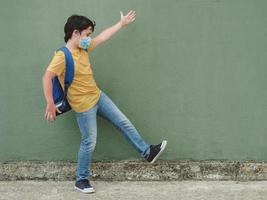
[121, 24]
[50, 102]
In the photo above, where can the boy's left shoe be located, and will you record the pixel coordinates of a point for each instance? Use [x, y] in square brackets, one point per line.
[155, 151]
[84, 186]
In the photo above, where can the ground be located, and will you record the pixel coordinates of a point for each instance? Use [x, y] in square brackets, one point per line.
[173, 190]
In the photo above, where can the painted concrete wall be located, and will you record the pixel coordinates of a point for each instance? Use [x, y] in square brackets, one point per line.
[189, 71]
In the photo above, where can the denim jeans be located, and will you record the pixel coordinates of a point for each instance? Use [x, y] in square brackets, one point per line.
[87, 123]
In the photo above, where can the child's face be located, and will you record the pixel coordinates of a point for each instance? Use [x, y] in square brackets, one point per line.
[85, 33]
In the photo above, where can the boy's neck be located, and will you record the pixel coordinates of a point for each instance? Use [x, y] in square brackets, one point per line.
[71, 46]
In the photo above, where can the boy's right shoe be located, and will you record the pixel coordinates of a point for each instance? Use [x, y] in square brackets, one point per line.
[84, 186]
[155, 151]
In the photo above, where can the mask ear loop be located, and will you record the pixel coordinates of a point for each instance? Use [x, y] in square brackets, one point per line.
[79, 56]
[78, 32]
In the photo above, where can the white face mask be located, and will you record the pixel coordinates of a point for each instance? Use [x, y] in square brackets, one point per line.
[85, 42]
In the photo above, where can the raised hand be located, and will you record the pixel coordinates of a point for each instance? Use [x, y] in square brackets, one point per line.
[127, 19]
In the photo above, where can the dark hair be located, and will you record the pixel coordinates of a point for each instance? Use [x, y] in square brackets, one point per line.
[79, 23]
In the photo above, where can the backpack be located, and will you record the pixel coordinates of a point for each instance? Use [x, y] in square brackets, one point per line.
[60, 95]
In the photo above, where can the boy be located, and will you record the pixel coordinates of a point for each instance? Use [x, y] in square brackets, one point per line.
[85, 97]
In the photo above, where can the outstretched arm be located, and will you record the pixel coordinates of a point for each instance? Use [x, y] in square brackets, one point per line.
[107, 33]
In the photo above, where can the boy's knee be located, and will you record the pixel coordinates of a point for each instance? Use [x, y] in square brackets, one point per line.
[88, 144]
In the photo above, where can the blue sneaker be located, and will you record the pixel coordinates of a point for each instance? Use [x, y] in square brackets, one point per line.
[155, 151]
[84, 186]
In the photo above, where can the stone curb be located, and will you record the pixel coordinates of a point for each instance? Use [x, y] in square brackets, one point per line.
[137, 170]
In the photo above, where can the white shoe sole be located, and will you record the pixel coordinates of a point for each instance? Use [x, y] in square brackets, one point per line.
[162, 147]
[88, 190]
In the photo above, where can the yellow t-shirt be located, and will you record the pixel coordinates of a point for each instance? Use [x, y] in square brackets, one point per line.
[83, 93]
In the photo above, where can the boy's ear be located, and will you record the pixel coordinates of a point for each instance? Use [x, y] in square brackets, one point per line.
[76, 32]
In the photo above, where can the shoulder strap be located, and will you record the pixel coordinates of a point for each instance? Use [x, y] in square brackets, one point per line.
[69, 68]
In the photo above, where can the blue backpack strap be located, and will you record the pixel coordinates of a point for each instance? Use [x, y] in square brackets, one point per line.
[69, 74]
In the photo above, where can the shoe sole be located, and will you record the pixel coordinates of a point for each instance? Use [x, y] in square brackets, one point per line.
[162, 147]
[91, 190]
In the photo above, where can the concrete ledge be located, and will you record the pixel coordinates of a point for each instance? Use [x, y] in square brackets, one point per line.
[137, 170]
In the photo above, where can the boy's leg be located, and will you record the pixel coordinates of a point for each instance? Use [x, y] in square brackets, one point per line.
[108, 110]
[88, 129]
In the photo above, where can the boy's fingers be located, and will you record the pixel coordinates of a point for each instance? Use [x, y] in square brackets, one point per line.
[134, 13]
[129, 13]
[54, 116]
[50, 117]
[47, 117]
[121, 14]
[132, 16]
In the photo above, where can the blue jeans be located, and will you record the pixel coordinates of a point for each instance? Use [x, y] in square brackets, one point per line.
[87, 123]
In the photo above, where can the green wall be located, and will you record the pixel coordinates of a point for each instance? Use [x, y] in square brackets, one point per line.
[189, 71]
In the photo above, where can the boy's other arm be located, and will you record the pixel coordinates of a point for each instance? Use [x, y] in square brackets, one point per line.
[50, 113]
[107, 33]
